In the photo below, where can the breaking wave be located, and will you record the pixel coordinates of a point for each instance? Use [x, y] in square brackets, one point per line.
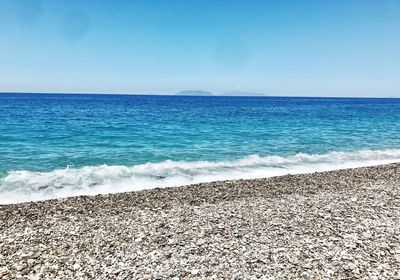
[22, 186]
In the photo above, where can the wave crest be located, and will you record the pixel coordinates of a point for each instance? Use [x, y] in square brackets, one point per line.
[21, 186]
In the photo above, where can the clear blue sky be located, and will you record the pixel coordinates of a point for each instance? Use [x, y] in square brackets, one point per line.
[277, 47]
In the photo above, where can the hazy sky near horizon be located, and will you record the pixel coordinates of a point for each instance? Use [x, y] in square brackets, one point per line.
[325, 48]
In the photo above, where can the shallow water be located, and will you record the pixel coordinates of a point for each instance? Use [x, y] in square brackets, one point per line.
[63, 145]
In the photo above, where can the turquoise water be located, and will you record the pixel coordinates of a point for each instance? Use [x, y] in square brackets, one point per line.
[62, 145]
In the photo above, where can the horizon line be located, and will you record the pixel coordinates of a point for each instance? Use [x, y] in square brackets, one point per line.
[212, 95]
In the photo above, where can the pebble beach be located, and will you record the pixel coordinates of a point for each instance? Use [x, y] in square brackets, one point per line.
[341, 224]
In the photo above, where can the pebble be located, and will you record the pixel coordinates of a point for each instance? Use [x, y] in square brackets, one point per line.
[331, 225]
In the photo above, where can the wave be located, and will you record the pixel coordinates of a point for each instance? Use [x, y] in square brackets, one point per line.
[23, 186]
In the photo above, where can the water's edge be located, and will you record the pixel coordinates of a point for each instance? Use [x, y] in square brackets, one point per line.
[24, 186]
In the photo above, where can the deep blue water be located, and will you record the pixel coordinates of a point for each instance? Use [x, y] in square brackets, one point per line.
[47, 132]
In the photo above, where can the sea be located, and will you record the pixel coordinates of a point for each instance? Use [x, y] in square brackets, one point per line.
[61, 145]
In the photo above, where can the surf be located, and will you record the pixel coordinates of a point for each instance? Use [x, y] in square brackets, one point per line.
[24, 185]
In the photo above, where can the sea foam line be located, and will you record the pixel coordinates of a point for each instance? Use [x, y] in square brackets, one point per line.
[23, 185]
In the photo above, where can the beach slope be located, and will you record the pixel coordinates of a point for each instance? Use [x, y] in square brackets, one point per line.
[337, 224]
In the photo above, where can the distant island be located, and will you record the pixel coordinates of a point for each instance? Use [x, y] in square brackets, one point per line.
[194, 93]
[207, 93]
[242, 93]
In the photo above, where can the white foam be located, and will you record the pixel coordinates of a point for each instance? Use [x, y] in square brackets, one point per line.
[22, 186]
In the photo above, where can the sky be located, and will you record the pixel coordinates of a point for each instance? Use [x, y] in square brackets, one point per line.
[312, 48]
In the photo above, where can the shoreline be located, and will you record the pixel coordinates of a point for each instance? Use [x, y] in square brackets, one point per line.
[8, 200]
[341, 223]
[20, 186]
